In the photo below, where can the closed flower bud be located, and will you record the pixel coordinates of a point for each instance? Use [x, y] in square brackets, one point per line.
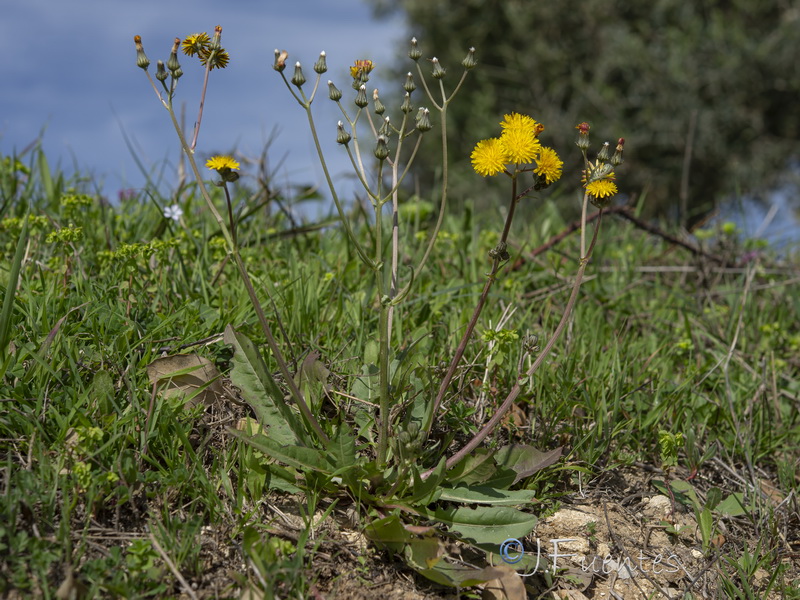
[173, 64]
[583, 136]
[361, 97]
[406, 106]
[342, 136]
[500, 252]
[379, 107]
[280, 60]
[438, 70]
[409, 85]
[298, 78]
[382, 149]
[530, 343]
[385, 129]
[322, 64]
[215, 40]
[424, 120]
[604, 155]
[161, 71]
[141, 58]
[469, 61]
[617, 159]
[334, 93]
[414, 53]
[177, 73]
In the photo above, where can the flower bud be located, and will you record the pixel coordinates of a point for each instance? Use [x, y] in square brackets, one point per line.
[141, 58]
[409, 85]
[424, 120]
[379, 107]
[215, 40]
[342, 136]
[406, 106]
[280, 60]
[469, 61]
[334, 93]
[617, 159]
[438, 70]
[173, 64]
[177, 73]
[361, 97]
[298, 78]
[161, 71]
[530, 343]
[385, 129]
[322, 64]
[583, 136]
[382, 149]
[604, 155]
[500, 252]
[414, 53]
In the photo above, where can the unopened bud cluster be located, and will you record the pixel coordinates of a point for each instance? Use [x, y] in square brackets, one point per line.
[598, 177]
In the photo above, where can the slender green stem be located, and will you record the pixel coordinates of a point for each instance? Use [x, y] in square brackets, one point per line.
[232, 249]
[231, 221]
[515, 391]
[202, 104]
[383, 330]
[340, 209]
[462, 346]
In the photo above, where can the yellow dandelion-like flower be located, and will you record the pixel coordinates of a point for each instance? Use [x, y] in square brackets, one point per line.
[217, 163]
[488, 157]
[218, 59]
[549, 165]
[520, 144]
[602, 188]
[361, 67]
[518, 122]
[197, 42]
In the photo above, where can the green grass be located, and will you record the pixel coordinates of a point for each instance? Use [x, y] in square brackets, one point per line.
[103, 479]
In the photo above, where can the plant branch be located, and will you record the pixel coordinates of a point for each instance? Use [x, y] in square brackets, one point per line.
[515, 391]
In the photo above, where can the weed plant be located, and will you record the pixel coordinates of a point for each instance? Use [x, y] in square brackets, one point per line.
[427, 391]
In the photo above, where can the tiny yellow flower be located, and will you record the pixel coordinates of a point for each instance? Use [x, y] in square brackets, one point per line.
[602, 188]
[216, 163]
[548, 164]
[488, 157]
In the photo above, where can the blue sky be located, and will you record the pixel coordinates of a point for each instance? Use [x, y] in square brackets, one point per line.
[70, 73]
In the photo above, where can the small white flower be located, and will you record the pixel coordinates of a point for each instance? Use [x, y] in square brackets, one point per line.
[173, 212]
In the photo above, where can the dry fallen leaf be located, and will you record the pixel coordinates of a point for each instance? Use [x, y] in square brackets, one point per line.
[509, 586]
[188, 375]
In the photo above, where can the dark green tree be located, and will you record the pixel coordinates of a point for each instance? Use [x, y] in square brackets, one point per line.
[712, 84]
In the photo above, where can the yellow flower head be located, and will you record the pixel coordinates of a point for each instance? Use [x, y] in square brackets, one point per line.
[218, 59]
[217, 163]
[602, 188]
[519, 137]
[488, 157]
[549, 165]
[361, 68]
[518, 122]
[200, 44]
[197, 42]
[520, 144]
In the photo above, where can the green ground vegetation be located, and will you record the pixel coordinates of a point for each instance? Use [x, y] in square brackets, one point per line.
[114, 489]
